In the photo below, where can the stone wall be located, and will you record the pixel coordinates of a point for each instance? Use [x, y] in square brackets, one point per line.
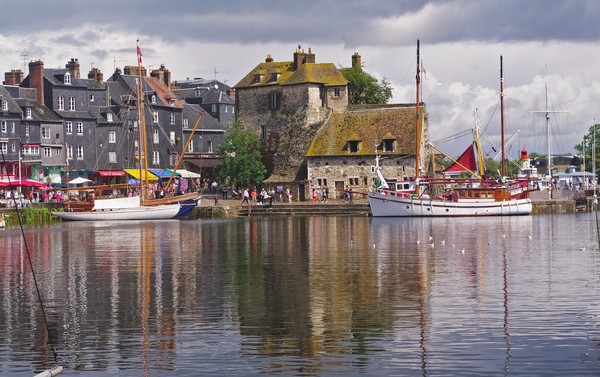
[360, 168]
[290, 129]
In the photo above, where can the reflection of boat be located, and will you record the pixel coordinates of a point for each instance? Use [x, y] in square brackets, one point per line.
[138, 206]
[427, 196]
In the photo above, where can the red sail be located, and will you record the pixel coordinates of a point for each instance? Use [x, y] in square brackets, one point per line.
[464, 163]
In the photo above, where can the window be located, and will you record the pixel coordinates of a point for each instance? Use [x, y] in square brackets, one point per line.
[28, 113]
[47, 152]
[109, 117]
[112, 157]
[213, 108]
[61, 102]
[210, 146]
[155, 158]
[197, 93]
[233, 109]
[172, 102]
[79, 128]
[92, 98]
[3, 126]
[12, 127]
[69, 152]
[13, 148]
[191, 146]
[263, 133]
[45, 132]
[155, 136]
[57, 152]
[388, 145]
[172, 137]
[337, 92]
[274, 101]
[353, 181]
[80, 152]
[172, 118]
[226, 109]
[353, 146]
[112, 137]
[4, 105]
[26, 131]
[69, 127]
[322, 182]
[4, 147]
[71, 103]
[30, 150]
[155, 116]
[67, 78]
[153, 99]
[185, 122]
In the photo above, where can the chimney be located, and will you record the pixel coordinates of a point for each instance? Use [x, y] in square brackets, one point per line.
[163, 75]
[14, 77]
[310, 57]
[133, 70]
[356, 62]
[96, 74]
[269, 59]
[301, 57]
[73, 66]
[36, 78]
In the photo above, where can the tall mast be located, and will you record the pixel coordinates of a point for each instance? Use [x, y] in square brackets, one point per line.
[143, 163]
[503, 161]
[418, 122]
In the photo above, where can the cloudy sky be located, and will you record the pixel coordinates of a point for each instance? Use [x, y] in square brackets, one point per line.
[551, 44]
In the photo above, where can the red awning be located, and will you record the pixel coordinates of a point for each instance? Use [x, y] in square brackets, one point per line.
[111, 173]
[22, 182]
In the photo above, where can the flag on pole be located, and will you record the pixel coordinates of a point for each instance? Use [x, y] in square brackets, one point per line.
[139, 52]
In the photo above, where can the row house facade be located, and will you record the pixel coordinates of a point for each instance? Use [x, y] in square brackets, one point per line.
[54, 122]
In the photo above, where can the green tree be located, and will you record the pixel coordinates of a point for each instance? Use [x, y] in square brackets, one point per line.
[364, 88]
[241, 160]
[586, 146]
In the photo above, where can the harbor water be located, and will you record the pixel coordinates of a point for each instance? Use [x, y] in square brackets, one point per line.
[304, 296]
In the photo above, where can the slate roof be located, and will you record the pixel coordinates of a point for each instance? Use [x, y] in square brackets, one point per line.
[39, 111]
[208, 122]
[369, 127]
[13, 107]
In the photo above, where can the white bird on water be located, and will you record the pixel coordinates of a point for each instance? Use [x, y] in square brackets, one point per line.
[463, 251]
[430, 238]
[443, 242]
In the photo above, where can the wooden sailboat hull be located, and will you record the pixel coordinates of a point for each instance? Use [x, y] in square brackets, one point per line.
[393, 206]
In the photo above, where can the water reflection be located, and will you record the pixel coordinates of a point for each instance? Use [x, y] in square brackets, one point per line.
[306, 295]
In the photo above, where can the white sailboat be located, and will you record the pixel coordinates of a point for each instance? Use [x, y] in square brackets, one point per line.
[449, 197]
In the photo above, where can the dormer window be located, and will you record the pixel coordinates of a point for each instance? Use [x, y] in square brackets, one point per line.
[197, 93]
[28, 113]
[67, 78]
[153, 99]
[172, 102]
[257, 78]
[388, 145]
[274, 76]
[109, 117]
[92, 98]
[4, 105]
[353, 146]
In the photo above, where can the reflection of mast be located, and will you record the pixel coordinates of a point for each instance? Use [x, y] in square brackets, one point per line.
[146, 259]
[422, 279]
[505, 292]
